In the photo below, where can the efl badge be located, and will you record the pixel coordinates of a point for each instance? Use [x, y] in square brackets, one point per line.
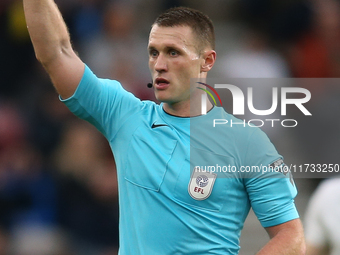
[201, 184]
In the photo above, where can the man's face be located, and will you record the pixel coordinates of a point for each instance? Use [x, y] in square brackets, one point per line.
[173, 61]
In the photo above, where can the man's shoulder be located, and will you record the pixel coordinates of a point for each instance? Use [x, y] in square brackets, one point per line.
[150, 106]
[219, 127]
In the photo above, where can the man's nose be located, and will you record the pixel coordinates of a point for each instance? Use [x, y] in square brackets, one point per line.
[161, 64]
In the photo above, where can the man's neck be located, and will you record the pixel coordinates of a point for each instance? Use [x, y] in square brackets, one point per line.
[185, 109]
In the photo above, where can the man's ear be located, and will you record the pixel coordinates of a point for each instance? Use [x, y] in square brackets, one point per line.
[209, 57]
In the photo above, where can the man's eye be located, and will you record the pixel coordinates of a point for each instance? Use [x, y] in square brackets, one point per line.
[153, 54]
[173, 53]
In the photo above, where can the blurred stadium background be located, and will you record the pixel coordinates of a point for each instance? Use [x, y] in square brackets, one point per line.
[58, 190]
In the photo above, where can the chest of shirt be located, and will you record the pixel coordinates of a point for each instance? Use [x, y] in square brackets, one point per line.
[158, 158]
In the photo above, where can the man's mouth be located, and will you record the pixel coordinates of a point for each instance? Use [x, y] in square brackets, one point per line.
[161, 83]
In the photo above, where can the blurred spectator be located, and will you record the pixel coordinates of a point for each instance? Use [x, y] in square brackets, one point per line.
[322, 220]
[27, 190]
[129, 63]
[255, 60]
[47, 118]
[317, 52]
[15, 50]
[38, 240]
[87, 19]
[88, 190]
[282, 21]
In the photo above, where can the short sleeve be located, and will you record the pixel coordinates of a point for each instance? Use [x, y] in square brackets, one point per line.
[102, 102]
[271, 193]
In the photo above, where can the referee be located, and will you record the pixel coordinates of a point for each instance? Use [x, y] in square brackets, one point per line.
[168, 203]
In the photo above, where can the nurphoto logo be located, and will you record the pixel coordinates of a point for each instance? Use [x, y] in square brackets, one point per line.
[239, 104]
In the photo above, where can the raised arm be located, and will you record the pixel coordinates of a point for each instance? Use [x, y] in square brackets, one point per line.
[52, 45]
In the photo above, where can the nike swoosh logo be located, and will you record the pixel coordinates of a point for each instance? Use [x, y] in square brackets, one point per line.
[160, 125]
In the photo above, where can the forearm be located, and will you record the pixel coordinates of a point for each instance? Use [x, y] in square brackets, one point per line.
[285, 240]
[47, 30]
